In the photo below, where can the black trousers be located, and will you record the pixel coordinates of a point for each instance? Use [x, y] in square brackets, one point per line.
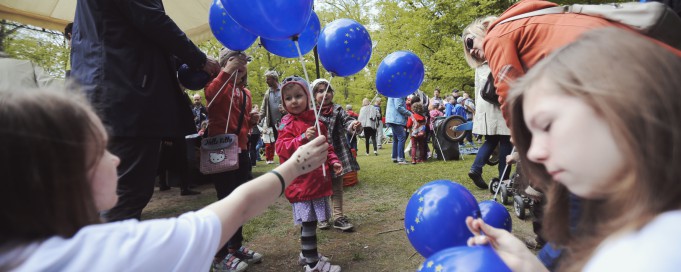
[136, 175]
[173, 160]
[369, 133]
[225, 183]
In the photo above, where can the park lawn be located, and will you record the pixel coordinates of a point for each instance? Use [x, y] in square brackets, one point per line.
[375, 206]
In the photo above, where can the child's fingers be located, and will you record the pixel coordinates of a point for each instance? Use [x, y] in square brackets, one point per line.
[472, 226]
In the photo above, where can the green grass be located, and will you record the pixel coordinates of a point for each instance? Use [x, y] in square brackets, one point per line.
[376, 207]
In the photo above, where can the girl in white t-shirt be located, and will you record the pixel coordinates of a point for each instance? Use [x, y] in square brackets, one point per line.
[600, 119]
[57, 175]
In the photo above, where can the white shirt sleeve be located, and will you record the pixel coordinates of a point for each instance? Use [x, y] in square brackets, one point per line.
[186, 243]
[656, 247]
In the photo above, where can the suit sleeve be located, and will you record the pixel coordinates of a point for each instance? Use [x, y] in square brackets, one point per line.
[149, 17]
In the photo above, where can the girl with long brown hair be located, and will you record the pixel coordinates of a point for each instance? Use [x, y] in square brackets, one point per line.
[600, 118]
[57, 175]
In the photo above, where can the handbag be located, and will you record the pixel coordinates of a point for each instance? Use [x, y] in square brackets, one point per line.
[652, 19]
[489, 92]
[220, 153]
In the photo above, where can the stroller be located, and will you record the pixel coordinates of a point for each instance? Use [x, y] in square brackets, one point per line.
[388, 135]
[510, 189]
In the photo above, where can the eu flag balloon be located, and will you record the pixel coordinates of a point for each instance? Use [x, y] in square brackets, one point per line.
[435, 217]
[399, 74]
[344, 47]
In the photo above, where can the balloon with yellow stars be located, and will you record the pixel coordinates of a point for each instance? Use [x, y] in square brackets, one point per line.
[435, 216]
[270, 19]
[226, 30]
[306, 40]
[344, 47]
[464, 259]
[399, 74]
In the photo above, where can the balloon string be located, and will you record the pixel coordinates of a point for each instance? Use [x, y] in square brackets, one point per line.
[300, 59]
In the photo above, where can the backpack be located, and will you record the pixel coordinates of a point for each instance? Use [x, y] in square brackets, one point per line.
[652, 19]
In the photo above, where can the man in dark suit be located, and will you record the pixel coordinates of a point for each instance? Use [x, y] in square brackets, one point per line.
[123, 55]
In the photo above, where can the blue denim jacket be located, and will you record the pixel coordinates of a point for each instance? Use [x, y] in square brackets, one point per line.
[396, 111]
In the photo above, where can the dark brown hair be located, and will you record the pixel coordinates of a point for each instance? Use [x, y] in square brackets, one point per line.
[49, 140]
[634, 85]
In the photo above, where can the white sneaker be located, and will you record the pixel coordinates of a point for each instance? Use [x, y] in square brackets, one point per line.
[302, 262]
[323, 266]
[229, 264]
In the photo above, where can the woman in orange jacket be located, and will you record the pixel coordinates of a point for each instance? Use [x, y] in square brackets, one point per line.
[513, 47]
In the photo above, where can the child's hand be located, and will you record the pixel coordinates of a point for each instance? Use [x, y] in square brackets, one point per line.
[235, 63]
[310, 156]
[512, 158]
[356, 125]
[337, 168]
[310, 133]
[509, 248]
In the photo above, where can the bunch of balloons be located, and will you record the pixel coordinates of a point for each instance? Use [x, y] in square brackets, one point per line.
[434, 222]
[285, 27]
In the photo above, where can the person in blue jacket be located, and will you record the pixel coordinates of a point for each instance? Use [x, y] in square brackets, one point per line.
[396, 115]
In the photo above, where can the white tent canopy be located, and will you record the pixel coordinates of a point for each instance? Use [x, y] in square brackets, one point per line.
[190, 15]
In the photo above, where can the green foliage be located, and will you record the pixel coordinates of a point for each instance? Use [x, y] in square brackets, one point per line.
[429, 28]
[48, 51]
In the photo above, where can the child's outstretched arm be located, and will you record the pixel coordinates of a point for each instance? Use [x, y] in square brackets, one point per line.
[253, 197]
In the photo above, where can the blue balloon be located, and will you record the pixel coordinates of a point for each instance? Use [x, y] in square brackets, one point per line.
[399, 74]
[227, 31]
[496, 215]
[435, 217]
[344, 47]
[191, 78]
[270, 19]
[464, 259]
[287, 48]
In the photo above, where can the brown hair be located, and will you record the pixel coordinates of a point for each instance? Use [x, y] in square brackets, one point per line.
[50, 141]
[634, 85]
[417, 107]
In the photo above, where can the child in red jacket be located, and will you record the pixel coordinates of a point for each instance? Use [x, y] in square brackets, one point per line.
[418, 134]
[308, 193]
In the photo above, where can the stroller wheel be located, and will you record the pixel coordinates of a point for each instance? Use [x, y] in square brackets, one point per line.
[519, 207]
[504, 195]
[493, 185]
[493, 158]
